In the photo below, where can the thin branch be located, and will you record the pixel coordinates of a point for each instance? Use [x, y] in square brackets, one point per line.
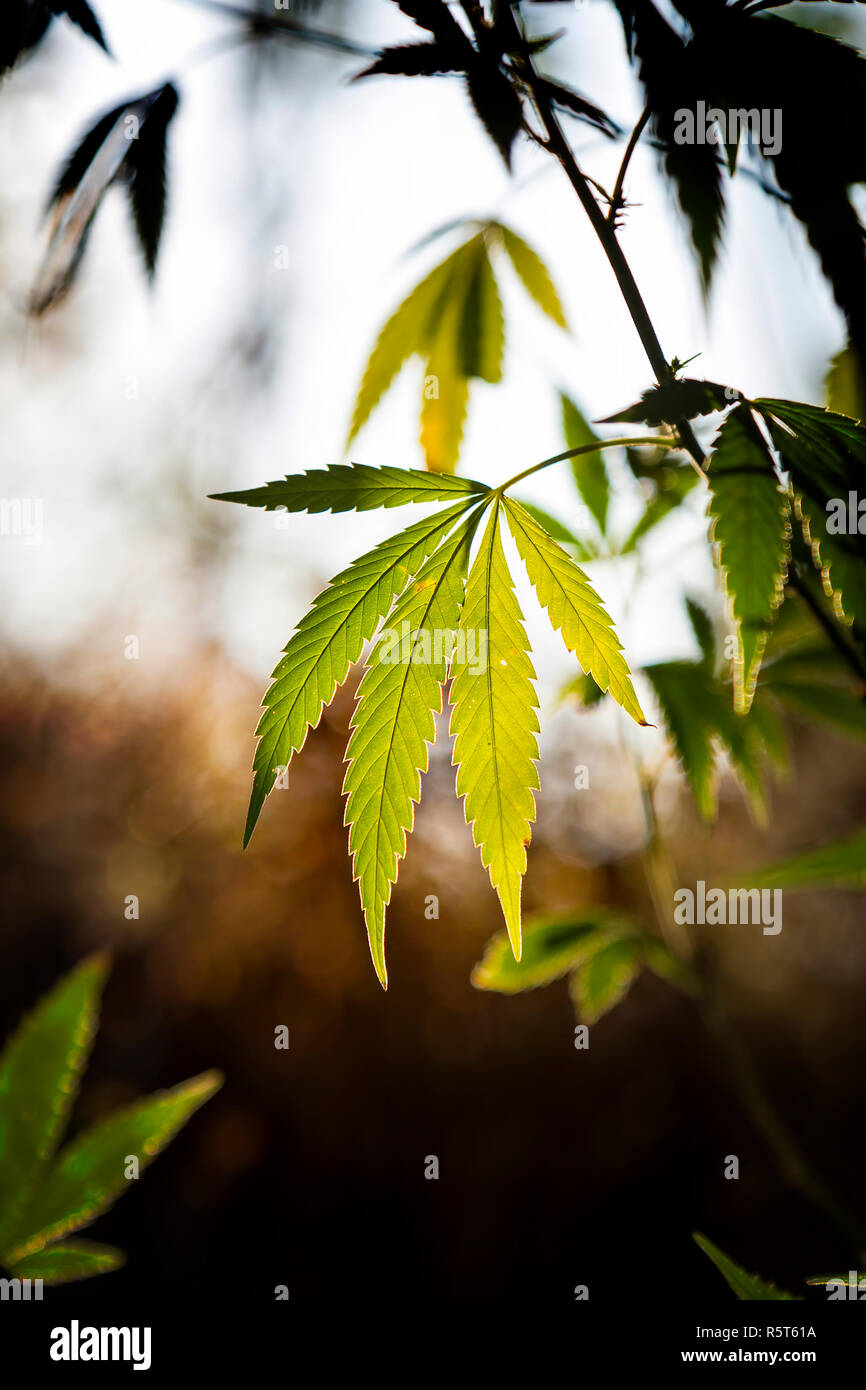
[626, 442]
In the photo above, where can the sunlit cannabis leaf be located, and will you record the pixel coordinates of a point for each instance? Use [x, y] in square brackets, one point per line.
[330, 639]
[750, 525]
[494, 725]
[44, 1197]
[453, 321]
[127, 145]
[553, 946]
[603, 981]
[846, 384]
[683, 399]
[394, 724]
[353, 487]
[560, 532]
[748, 1287]
[574, 608]
[840, 865]
[588, 470]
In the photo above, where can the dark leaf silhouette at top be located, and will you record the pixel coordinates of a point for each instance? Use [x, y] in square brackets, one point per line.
[127, 145]
[492, 62]
[747, 60]
[668, 75]
[25, 23]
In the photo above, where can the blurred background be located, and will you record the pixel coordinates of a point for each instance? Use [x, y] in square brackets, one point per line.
[122, 409]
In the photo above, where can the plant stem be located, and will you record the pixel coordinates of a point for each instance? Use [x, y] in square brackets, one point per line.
[559, 147]
[626, 441]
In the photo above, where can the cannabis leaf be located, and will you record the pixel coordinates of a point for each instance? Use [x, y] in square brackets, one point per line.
[329, 639]
[494, 727]
[44, 1197]
[126, 145]
[748, 1287]
[750, 514]
[574, 608]
[604, 980]
[353, 487]
[453, 321]
[680, 399]
[394, 722]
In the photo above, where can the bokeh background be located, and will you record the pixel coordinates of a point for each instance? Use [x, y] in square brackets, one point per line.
[122, 410]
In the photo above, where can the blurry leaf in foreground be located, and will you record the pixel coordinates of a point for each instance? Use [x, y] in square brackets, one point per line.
[25, 23]
[748, 1287]
[553, 945]
[588, 470]
[45, 1198]
[127, 145]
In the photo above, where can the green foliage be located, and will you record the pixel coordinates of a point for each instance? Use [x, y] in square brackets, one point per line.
[839, 865]
[45, 1196]
[601, 950]
[415, 581]
[750, 526]
[748, 1287]
[453, 320]
[588, 470]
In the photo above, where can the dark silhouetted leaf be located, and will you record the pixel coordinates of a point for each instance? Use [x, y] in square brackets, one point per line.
[682, 399]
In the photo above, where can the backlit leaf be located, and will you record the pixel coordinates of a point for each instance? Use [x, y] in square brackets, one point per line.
[494, 726]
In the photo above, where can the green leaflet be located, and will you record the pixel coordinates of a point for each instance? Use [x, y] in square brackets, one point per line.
[750, 526]
[76, 1259]
[841, 709]
[329, 639]
[840, 865]
[353, 487]
[481, 338]
[604, 979]
[588, 470]
[40, 1070]
[534, 274]
[445, 394]
[552, 946]
[748, 1287]
[574, 608]
[394, 722]
[494, 726]
[88, 1175]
